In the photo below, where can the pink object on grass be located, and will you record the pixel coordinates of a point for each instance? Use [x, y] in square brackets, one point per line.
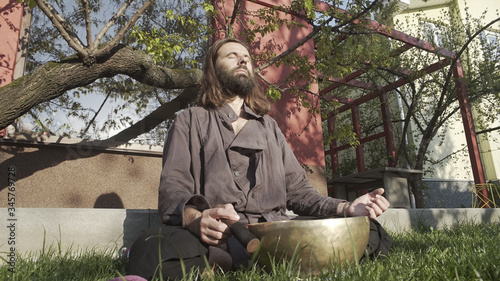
[128, 278]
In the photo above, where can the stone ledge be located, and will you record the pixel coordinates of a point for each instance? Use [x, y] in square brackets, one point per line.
[74, 229]
[401, 220]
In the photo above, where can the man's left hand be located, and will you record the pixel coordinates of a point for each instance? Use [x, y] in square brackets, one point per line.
[372, 204]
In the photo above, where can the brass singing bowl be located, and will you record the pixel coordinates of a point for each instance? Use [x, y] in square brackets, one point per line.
[314, 244]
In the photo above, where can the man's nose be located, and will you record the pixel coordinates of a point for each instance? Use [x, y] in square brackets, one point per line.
[244, 60]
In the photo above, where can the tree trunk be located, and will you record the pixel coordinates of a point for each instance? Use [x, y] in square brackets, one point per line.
[53, 79]
[416, 180]
[417, 189]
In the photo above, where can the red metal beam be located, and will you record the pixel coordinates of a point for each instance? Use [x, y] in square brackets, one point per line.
[361, 141]
[381, 92]
[343, 80]
[333, 154]
[418, 74]
[391, 32]
[470, 134]
[360, 155]
[389, 135]
[341, 100]
[357, 73]
[403, 37]
[358, 84]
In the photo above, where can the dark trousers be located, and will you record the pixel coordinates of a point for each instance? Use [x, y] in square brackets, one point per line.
[164, 248]
[379, 242]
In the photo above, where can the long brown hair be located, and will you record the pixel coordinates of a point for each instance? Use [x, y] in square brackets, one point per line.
[212, 94]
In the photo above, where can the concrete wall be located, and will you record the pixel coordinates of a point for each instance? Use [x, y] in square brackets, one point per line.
[54, 172]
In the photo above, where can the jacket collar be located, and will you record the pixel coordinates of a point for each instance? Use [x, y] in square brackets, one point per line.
[227, 114]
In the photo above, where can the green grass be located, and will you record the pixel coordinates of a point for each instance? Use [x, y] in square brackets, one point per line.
[464, 252]
[53, 264]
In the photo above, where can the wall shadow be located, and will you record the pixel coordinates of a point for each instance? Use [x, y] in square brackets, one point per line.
[109, 200]
[136, 221]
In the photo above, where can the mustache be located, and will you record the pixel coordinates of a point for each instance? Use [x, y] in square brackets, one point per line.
[242, 67]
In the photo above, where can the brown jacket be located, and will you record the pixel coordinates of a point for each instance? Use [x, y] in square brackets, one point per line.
[205, 164]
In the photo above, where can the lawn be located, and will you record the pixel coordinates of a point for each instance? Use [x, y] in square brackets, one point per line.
[463, 252]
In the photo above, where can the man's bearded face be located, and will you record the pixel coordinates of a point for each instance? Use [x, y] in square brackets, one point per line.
[235, 82]
[234, 69]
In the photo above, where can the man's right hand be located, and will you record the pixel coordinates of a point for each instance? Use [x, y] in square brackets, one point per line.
[209, 225]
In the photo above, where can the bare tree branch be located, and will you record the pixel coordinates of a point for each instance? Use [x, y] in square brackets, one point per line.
[62, 26]
[92, 52]
[40, 123]
[97, 113]
[438, 161]
[263, 78]
[86, 11]
[116, 40]
[110, 23]
[233, 17]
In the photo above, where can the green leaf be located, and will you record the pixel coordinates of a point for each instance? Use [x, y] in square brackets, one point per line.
[274, 93]
[31, 3]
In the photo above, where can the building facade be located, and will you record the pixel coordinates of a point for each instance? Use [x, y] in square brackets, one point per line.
[438, 21]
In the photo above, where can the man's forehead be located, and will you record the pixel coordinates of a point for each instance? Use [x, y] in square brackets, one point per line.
[232, 47]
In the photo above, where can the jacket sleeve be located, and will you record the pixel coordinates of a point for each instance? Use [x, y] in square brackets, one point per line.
[177, 184]
[302, 198]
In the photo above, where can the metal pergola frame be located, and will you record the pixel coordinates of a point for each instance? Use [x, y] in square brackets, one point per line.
[449, 59]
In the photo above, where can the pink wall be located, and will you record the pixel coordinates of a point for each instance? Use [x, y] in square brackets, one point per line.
[11, 15]
[302, 130]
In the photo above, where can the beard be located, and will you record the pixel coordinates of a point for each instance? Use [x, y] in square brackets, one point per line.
[236, 83]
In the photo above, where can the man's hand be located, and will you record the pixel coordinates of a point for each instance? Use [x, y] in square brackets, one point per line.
[209, 225]
[372, 204]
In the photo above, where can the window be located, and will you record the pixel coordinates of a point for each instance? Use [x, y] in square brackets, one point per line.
[432, 33]
[489, 42]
